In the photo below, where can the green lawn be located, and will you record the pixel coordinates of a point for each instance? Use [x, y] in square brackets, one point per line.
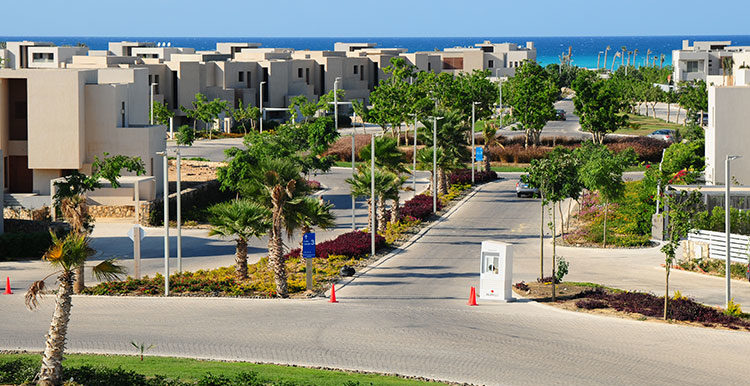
[509, 168]
[647, 125]
[192, 369]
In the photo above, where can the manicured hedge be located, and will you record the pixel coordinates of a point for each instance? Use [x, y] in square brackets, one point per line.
[353, 244]
[27, 245]
[463, 176]
[419, 207]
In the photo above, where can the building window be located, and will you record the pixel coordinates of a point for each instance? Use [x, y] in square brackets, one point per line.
[241, 77]
[429, 66]
[361, 72]
[453, 63]
[692, 66]
[43, 57]
[307, 75]
[299, 73]
[490, 63]
[356, 69]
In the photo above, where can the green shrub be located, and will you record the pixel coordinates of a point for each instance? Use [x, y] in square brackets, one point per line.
[193, 206]
[562, 268]
[26, 245]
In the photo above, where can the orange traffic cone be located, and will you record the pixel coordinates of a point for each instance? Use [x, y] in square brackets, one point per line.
[472, 297]
[333, 294]
[7, 286]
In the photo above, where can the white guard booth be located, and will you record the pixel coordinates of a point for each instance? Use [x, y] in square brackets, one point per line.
[496, 271]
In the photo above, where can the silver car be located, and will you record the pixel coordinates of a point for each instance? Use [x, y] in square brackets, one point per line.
[524, 189]
[664, 135]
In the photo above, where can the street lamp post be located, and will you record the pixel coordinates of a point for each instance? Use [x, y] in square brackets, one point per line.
[658, 184]
[354, 199]
[151, 107]
[727, 228]
[373, 228]
[165, 177]
[179, 210]
[336, 102]
[414, 159]
[263, 83]
[434, 163]
[473, 133]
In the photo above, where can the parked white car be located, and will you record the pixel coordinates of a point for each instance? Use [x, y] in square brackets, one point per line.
[664, 135]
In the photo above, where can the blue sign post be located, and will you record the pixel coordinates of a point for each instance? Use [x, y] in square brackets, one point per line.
[479, 154]
[308, 253]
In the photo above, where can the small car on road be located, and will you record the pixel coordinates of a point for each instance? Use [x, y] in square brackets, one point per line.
[664, 135]
[524, 189]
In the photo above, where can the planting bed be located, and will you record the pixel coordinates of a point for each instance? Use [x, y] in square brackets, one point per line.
[593, 298]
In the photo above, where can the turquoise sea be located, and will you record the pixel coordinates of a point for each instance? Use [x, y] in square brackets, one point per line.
[585, 49]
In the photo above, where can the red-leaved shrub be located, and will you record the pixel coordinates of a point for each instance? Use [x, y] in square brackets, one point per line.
[352, 244]
[419, 207]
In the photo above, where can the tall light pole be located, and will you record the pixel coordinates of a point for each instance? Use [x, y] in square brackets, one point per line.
[354, 199]
[263, 83]
[336, 102]
[151, 106]
[727, 228]
[373, 228]
[179, 210]
[473, 148]
[434, 162]
[414, 158]
[165, 177]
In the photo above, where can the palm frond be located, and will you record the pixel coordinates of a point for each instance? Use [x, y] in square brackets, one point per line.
[32, 294]
[108, 270]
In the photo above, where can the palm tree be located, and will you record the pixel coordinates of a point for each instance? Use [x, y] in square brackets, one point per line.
[662, 57]
[635, 53]
[614, 57]
[386, 187]
[311, 213]
[65, 255]
[605, 57]
[76, 211]
[277, 185]
[489, 134]
[444, 163]
[452, 145]
[622, 57]
[648, 55]
[242, 220]
[390, 158]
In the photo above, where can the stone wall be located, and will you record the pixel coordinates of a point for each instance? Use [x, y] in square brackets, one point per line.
[41, 214]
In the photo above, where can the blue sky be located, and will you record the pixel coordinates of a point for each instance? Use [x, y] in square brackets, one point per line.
[373, 18]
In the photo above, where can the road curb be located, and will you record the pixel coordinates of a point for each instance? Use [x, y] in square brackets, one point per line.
[343, 283]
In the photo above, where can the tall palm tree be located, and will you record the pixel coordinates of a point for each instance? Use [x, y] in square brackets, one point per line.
[452, 145]
[622, 57]
[648, 56]
[76, 211]
[242, 220]
[277, 185]
[65, 254]
[635, 53]
[444, 164]
[662, 57]
[605, 57]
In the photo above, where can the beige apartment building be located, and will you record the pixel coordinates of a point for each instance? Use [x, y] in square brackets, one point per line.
[501, 59]
[53, 121]
[703, 61]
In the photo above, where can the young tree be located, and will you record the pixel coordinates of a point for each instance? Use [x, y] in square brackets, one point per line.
[242, 220]
[387, 185]
[531, 95]
[70, 195]
[244, 115]
[204, 110]
[598, 105]
[306, 107]
[682, 210]
[65, 256]
[162, 113]
[452, 143]
[489, 134]
[601, 170]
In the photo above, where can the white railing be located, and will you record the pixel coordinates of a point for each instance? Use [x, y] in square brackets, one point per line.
[717, 244]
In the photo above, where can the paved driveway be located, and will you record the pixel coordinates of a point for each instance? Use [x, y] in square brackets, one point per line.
[407, 315]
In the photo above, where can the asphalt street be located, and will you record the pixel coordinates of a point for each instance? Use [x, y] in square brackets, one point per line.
[406, 314]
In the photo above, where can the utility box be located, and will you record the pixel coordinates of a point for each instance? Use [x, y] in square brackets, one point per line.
[496, 271]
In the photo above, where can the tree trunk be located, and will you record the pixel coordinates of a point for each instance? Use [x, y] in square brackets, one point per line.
[487, 166]
[395, 208]
[562, 219]
[526, 139]
[541, 245]
[381, 214]
[80, 283]
[371, 224]
[275, 244]
[606, 205]
[669, 112]
[554, 251]
[666, 292]
[51, 370]
[442, 182]
[240, 259]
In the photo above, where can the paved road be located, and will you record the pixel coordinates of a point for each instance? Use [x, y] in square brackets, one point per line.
[570, 127]
[407, 315]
